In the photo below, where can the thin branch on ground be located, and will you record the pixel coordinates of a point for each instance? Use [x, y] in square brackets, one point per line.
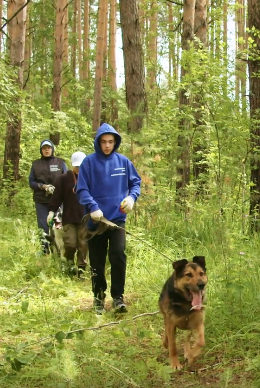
[93, 328]
[113, 323]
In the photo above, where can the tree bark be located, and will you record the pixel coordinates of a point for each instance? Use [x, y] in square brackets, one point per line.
[1, 15]
[183, 167]
[101, 32]
[254, 92]
[79, 40]
[200, 166]
[65, 56]
[240, 54]
[112, 62]
[133, 64]
[74, 39]
[27, 50]
[152, 45]
[58, 62]
[86, 41]
[16, 29]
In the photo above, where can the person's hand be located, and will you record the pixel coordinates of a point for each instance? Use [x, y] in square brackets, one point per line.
[50, 218]
[48, 188]
[127, 205]
[96, 215]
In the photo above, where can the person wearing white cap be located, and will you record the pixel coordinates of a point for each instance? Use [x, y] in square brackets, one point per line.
[43, 173]
[73, 212]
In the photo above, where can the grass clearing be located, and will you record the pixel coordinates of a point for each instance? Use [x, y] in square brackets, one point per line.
[51, 337]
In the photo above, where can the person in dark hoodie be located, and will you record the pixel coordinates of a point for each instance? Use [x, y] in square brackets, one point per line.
[108, 186]
[43, 173]
[73, 212]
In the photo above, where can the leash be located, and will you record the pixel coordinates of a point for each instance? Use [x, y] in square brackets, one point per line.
[114, 226]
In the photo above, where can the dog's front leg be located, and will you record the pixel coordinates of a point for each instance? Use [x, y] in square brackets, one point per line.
[171, 334]
[165, 337]
[187, 346]
[199, 342]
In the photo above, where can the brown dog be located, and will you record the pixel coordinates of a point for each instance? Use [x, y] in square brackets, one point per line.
[181, 303]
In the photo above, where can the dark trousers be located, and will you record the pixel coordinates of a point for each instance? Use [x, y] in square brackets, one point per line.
[42, 211]
[113, 242]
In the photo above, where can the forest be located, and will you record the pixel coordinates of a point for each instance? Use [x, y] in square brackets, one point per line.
[188, 111]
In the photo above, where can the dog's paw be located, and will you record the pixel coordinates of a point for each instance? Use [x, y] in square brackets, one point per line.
[190, 359]
[175, 364]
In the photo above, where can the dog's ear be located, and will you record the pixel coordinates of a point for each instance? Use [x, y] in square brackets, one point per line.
[200, 260]
[179, 264]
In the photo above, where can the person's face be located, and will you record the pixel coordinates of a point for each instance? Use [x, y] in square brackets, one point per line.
[76, 169]
[107, 143]
[46, 150]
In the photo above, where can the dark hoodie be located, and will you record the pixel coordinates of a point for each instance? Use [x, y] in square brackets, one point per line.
[105, 180]
[45, 171]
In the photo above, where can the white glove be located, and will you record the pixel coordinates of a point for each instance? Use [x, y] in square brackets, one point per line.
[50, 218]
[96, 215]
[127, 205]
[49, 189]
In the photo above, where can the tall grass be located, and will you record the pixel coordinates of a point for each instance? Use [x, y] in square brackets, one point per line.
[51, 338]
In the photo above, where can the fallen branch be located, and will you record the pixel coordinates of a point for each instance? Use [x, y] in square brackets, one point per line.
[112, 323]
[92, 328]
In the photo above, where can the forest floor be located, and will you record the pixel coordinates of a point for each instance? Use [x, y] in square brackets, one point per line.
[129, 347]
[52, 338]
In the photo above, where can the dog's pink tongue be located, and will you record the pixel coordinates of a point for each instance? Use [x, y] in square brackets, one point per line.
[196, 300]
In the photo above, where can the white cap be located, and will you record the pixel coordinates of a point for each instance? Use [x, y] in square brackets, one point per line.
[46, 142]
[77, 158]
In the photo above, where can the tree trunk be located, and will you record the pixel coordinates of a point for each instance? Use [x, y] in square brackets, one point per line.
[86, 41]
[225, 11]
[152, 45]
[101, 32]
[27, 50]
[43, 42]
[74, 39]
[133, 63]
[16, 29]
[79, 40]
[173, 50]
[86, 56]
[112, 62]
[1, 15]
[254, 92]
[240, 54]
[65, 57]
[200, 166]
[58, 62]
[183, 168]
[200, 21]
[104, 117]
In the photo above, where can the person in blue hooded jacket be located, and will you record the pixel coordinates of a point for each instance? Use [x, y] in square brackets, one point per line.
[43, 173]
[108, 186]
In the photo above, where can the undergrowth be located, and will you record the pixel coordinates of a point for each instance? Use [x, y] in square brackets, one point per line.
[50, 336]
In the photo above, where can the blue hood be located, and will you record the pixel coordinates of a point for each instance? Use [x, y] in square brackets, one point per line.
[106, 129]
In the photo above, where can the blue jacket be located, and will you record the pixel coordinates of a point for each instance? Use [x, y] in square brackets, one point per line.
[104, 181]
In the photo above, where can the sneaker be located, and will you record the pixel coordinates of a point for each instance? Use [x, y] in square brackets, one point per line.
[72, 271]
[119, 305]
[99, 304]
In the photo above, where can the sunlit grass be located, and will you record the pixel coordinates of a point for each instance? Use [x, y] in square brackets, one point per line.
[50, 336]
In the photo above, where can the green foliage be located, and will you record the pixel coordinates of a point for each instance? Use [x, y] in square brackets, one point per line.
[50, 336]
[8, 91]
